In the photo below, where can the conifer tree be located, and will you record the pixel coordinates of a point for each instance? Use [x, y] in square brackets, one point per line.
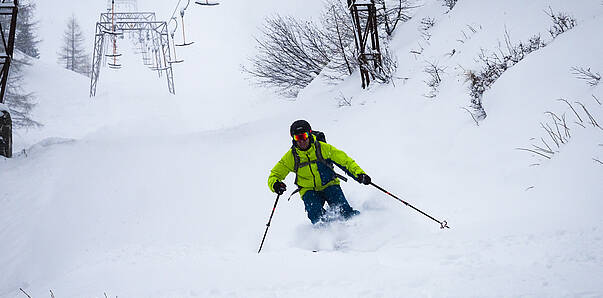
[20, 101]
[26, 40]
[72, 54]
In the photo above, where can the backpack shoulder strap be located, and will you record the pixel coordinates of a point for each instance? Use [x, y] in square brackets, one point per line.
[295, 162]
[329, 165]
[295, 158]
[318, 151]
[295, 168]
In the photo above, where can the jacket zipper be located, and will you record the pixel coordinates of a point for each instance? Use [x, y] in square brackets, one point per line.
[310, 166]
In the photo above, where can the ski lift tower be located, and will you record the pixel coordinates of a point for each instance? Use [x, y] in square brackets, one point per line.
[364, 15]
[113, 24]
[8, 23]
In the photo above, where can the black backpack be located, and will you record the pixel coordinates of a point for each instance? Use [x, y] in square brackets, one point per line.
[320, 136]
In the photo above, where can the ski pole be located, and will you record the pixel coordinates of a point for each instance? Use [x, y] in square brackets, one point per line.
[443, 224]
[268, 224]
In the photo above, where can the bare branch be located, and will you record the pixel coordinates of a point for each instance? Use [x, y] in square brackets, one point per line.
[435, 78]
[343, 101]
[547, 145]
[543, 150]
[575, 113]
[580, 124]
[472, 117]
[553, 115]
[567, 134]
[585, 74]
[24, 292]
[548, 129]
[536, 152]
[592, 119]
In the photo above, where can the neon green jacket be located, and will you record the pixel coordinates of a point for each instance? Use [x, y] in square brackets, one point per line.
[316, 175]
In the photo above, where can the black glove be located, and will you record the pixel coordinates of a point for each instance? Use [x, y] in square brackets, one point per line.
[279, 187]
[364, 179]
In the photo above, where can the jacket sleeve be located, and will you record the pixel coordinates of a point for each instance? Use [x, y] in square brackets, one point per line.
[342, 160]
[282, 168]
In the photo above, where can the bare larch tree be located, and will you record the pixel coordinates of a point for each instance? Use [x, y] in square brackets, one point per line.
[72, 54]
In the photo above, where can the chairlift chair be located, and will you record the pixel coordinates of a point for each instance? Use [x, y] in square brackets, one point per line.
[207, 3]
[184, 43]
[114, 55]
[114, 33]
[114, 65]
[158, 68]
[176, 60]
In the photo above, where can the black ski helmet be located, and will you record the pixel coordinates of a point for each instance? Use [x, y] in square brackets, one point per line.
[300, 126]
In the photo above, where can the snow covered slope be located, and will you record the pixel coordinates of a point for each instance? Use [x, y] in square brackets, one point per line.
[137, 193]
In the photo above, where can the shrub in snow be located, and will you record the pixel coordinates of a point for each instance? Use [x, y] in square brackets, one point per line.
[392, 12]
[339, 38]
[343, 101]
[467, 35]
[435, 78]
[417, 52]
[291, 53]
[450, 4]
[494, 65]
[591, 78]
[389, 65]
[426, 24]
[558, 131]
[561, 22]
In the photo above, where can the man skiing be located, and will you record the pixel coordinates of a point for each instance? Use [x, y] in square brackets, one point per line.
[312, 161]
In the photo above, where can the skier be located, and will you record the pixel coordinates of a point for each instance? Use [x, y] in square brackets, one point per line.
[312, 162]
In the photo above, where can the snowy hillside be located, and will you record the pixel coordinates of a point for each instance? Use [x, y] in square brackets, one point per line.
[139, 193]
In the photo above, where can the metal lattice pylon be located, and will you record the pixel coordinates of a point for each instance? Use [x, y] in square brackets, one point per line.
[364, 15]
[8, 24]
[151, 36]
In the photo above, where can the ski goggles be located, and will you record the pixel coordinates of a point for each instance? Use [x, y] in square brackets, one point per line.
[301, 136]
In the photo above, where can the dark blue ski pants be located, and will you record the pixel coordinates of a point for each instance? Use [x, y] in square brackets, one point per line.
[315, 200]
